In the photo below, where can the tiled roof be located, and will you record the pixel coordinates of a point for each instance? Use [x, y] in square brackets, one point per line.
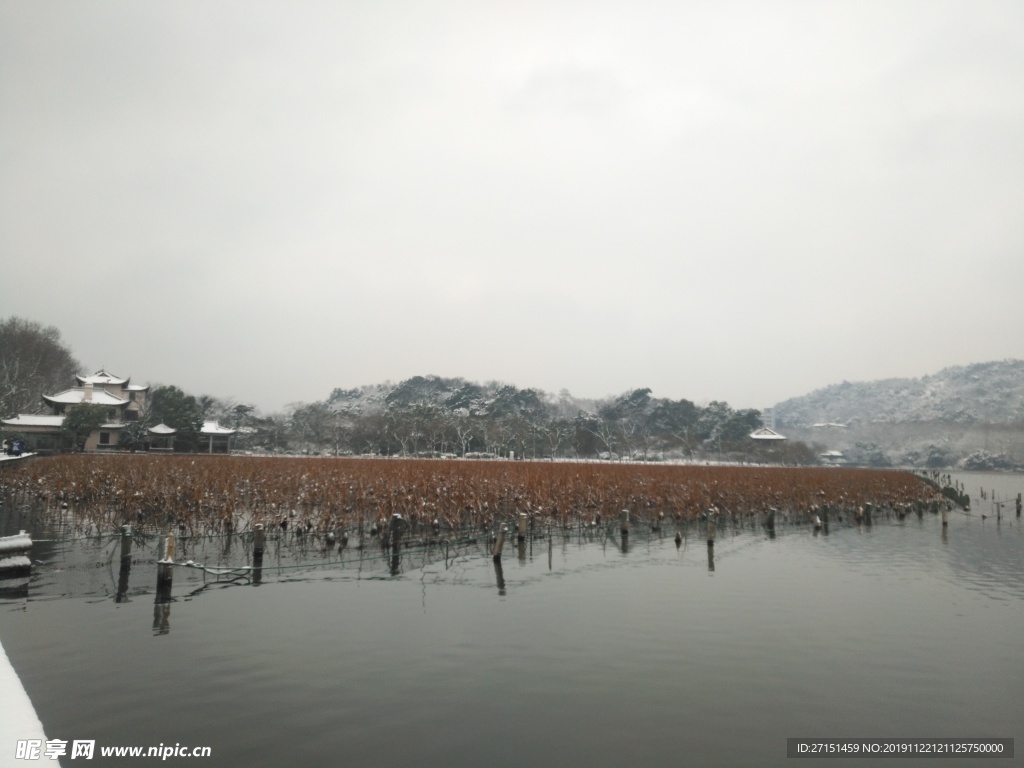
[213, 428]
[766, 434]
[102, 376]
[76, 395]
[32, 420]
[162, 429]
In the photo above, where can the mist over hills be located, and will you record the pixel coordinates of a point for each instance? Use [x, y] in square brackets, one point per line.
[970, 417]
[981, 393]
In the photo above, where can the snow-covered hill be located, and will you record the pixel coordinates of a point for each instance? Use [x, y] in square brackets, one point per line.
[983, 393]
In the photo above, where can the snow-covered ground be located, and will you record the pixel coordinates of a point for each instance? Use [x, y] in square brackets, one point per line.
[18, 719]
[5, 457]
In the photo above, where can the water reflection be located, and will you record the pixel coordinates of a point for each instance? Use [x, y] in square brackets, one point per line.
[162, 603]
[499, 576]
[161, 618]
[126, 565]
[14, 588]
[122, 581]
[908, 598]
[973, 553]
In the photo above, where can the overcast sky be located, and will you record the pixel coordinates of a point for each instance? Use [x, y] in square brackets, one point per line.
[739, 201]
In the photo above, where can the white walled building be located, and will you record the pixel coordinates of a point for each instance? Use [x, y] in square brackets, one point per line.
[124, 401]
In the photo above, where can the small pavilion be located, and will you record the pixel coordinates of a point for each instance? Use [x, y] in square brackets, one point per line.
[161, 437]
[216, 437]
[767, 435]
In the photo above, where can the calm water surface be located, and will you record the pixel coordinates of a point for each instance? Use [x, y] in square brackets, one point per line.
[576, 653]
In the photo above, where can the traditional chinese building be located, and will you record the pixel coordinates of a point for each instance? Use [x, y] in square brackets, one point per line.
[215, 438]
[124, 402]
[767, 435]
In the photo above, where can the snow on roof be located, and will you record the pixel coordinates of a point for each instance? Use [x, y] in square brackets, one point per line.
[76, 395]
[766, 434]
[213, 428]
[162, 429]
[32, 420]
[102, 376]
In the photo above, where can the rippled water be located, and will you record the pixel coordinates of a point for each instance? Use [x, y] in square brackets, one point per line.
[576, 653]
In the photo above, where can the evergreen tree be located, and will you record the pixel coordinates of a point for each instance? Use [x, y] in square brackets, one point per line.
[170, 406]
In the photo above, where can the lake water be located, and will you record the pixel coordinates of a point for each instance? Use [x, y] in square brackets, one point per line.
[577, 652]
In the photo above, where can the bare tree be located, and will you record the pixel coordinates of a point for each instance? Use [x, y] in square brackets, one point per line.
[33, 361]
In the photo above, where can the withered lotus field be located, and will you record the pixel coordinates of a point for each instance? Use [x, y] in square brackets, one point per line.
[200, 493]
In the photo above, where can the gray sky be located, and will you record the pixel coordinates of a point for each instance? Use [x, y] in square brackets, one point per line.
[740, 201]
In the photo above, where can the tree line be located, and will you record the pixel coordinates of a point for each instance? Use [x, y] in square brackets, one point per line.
[430, 416]
[421, 416]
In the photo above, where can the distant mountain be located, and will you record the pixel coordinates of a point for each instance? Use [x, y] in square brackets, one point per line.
[983, 393]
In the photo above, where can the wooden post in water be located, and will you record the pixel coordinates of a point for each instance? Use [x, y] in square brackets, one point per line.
[499, 543]
[259, 542]
[945, 518]
[126, 544]
[624, 522]
[522, 526]
[126, 565]
[1018, 505]
[165, 571]
[711, 528]
[396, 529]
[770, 522]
